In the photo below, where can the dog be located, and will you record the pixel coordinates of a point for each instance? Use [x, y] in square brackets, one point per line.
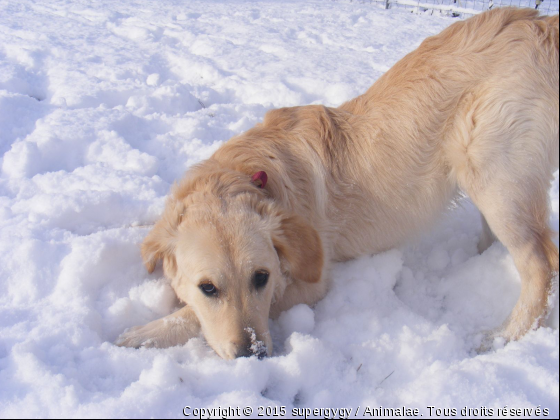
[255, 229]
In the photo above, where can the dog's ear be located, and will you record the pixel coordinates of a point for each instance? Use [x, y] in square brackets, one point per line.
[159, 244]
[300, 249]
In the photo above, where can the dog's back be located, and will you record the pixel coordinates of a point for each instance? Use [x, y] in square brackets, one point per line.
[447, 66]
[416, 122]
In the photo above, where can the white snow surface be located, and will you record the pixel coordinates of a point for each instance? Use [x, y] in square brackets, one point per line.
[104, 104]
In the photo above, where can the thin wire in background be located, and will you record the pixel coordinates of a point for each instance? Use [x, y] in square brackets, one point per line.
[465, 8]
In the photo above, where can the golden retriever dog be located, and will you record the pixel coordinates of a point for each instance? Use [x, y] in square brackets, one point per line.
[255, 229]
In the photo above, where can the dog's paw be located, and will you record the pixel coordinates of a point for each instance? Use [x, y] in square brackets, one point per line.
[486, 345]
[137, 337]
[173, 330]
[491, 340]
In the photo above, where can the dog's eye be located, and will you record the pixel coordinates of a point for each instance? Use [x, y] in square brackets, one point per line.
[260, 278]
[208, 289]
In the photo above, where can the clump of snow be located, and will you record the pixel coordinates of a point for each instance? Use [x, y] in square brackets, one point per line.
[438, 259]
[300, 318]
[103, 105]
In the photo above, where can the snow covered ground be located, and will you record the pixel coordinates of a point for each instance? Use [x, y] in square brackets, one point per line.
[104, 104]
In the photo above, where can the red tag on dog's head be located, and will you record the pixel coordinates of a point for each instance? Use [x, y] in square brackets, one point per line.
[259, 179]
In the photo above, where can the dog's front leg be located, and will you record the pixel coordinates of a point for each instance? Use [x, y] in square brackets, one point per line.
[173, 330]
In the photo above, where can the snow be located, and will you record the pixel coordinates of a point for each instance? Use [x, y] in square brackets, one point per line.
[104, 104]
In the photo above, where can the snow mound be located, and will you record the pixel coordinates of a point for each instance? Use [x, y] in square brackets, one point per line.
[103, 105]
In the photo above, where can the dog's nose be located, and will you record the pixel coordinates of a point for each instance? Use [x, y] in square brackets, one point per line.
[260, 353]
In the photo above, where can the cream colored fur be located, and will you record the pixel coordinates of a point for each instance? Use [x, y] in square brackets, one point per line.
[473, 109]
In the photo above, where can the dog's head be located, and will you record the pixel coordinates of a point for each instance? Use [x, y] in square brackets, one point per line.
[229, 256]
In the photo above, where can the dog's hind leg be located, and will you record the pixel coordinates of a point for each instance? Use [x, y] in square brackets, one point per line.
[173, 330]
[517, 212]
[506, 168]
